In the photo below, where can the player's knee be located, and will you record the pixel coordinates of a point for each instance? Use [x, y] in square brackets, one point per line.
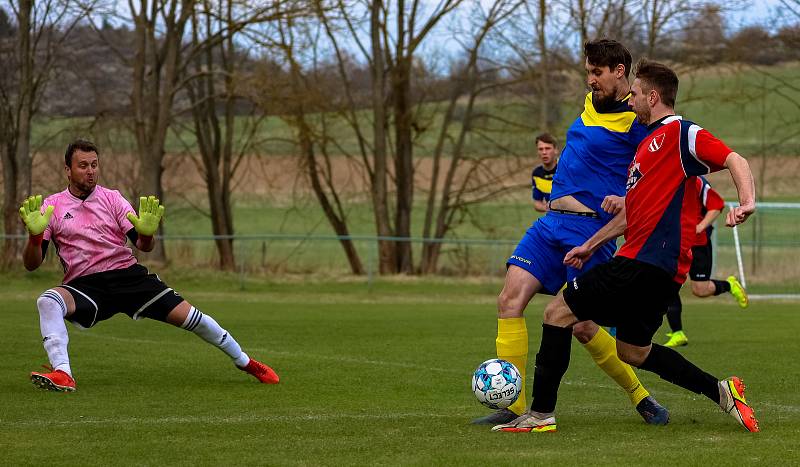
[699, 289]
[557, 313]
[51, 302]
[509, 304]
[631, 355]
[584, 331]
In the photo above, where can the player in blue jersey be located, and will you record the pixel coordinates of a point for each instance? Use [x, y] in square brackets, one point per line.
[542, 175]
[633, 290]
[586, 194]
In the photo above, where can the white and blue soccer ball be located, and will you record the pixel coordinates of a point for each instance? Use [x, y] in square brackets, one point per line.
[496, 383]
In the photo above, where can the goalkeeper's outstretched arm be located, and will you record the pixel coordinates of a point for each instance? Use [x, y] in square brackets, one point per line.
[146, 224]
[36, 223]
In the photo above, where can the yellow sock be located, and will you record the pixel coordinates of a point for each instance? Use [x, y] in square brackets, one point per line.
[512, 345]
[603, 349]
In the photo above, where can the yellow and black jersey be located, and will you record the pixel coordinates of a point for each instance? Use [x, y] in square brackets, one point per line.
[542, 182]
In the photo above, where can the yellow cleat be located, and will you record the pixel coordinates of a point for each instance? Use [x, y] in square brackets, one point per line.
[738, 292]
[676, 339]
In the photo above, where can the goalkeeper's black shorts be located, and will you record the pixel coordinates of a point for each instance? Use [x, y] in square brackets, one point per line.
[133, 291]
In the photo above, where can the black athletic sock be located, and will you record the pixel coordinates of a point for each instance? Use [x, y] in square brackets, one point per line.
[672, 367]
[552, 362]
[674, 314]
[720, 287]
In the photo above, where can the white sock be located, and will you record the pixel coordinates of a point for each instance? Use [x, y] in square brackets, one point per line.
[211, 332]
[55, 339]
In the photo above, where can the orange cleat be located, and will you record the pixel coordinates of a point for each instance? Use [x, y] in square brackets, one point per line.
[737, 406]
[528, 423]
[57, 380]
[262, 372]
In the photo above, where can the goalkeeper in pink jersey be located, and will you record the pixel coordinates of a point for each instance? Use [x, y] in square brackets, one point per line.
[89, 226]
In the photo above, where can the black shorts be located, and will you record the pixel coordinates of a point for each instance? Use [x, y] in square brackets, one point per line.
[133, 291]
[628, 294]
[701, 263]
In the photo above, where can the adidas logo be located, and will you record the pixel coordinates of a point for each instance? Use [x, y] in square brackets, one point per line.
[67, 216]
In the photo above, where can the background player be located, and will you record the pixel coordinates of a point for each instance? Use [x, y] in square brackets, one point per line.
[590, 177]
[88, 225]
[542, 175]
[632, 290]
[711, 205]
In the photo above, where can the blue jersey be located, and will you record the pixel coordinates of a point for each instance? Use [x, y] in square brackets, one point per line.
[600, 146]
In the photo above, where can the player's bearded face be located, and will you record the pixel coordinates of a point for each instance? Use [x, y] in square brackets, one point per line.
[603, 82]
[82, 173]
[639, 104]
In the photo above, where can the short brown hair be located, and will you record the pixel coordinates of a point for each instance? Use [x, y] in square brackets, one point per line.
[78, 145]
[607, 52]
[548, 139]
[660, 77]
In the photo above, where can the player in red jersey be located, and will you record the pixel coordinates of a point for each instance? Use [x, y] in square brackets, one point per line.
[711, 205]
[632, 290]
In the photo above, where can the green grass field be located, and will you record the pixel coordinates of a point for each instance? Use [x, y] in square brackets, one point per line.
[369, 377]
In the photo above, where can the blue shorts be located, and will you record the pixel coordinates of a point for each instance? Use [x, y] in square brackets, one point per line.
[541, 251]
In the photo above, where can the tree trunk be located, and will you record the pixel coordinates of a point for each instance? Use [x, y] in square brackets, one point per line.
[17, 152]
[386, 249]
[156, 69]
[545, 119]
[338, 224]
[11, 221]
[215, 141]
[404, 166]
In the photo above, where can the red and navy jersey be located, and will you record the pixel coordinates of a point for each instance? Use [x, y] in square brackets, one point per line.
[709, 200]
[662, 196]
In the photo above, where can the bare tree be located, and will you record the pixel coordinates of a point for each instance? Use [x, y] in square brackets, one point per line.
[477, 181]
[29, 57]
[304, 95]
[395, 30]
[159, 29]
[215, 134]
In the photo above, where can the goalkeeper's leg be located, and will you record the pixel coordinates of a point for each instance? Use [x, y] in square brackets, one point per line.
[191, 319]
[602, 347]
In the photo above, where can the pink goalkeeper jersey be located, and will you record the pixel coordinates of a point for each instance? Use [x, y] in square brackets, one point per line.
[89, 235]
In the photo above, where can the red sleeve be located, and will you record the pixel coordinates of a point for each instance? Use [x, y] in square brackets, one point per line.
[714, 201]
[710, 150]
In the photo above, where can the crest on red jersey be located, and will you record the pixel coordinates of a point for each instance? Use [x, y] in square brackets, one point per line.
[656, 142]
[634, 175]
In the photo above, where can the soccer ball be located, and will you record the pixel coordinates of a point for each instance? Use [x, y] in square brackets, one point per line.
[496, 383]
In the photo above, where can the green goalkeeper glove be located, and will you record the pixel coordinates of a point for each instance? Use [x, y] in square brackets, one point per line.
[150, 213]
[31, 214]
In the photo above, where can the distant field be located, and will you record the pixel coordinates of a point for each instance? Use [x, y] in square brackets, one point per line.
[738, 104]
[376, 377]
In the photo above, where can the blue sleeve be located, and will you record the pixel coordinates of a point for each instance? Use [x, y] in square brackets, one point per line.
[637, 133]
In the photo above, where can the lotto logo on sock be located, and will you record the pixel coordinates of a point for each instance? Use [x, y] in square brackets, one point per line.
[575, 283]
